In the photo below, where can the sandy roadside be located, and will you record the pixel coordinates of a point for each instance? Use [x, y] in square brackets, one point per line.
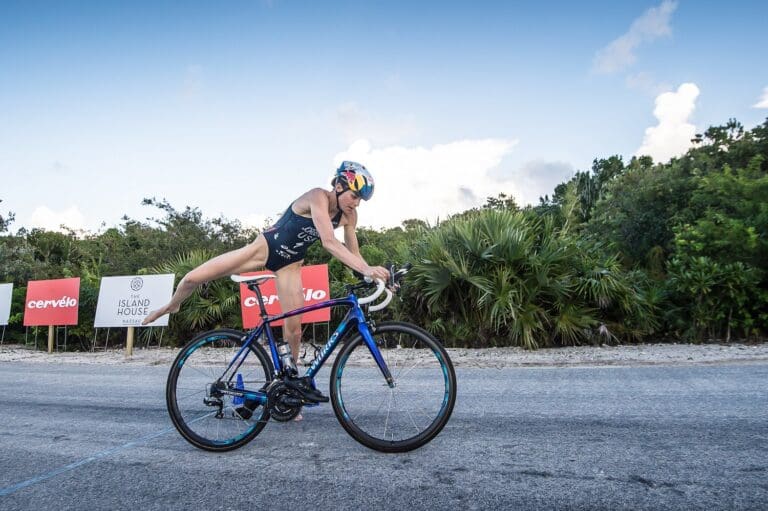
[646, 354]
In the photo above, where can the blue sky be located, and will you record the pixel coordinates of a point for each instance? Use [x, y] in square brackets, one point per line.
[239, 107]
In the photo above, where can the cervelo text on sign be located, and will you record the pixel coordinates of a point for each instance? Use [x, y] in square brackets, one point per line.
[52, 302]
[315, 287]
[309, 294]
[63, 302]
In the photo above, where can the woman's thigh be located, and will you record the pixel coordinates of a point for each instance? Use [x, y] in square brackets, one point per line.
[251, 257]
[289, 291]
[289, 287]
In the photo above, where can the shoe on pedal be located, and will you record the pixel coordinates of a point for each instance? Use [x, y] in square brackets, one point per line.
[304, 387]
[245, 412]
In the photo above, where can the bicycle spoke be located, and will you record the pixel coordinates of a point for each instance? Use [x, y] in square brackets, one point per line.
[396, 418]
[204, 416]
[207, 375]
[407, 371]
[358, 398]
[195, 392]
[389, 409]
[212, 422]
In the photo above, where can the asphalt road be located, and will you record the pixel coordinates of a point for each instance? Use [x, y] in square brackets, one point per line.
[692, 437]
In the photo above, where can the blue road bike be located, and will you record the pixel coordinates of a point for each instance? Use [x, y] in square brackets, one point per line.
[392, 384]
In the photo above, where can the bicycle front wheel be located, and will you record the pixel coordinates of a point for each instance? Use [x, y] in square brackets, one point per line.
[204, 392]
[410, 413]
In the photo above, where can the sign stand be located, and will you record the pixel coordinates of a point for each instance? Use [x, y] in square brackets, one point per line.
[129, 342]
[58, 344]
[50, 338]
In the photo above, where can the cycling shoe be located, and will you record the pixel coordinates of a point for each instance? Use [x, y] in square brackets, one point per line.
[303, 386]
[245, 412]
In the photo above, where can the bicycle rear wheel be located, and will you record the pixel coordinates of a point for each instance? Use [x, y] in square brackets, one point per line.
[399, 418]
[197, 395]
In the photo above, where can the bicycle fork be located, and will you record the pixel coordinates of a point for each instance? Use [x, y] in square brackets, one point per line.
[365, 331]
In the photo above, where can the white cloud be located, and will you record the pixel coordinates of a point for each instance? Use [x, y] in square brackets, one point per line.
[256, 221]
[653, 24]
[45, 218]
[763, 103]
[672, 135]
[538, 178]
[429, 183]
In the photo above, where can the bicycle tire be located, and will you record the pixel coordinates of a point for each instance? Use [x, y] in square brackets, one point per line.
[424, 378]
[194, 419]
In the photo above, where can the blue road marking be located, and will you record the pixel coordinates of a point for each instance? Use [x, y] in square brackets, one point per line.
[103, 454]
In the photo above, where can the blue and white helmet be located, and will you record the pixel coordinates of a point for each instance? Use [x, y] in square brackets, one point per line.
[355, 177]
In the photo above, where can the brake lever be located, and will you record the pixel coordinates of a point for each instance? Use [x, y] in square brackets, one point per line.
[401, 273]
[391, 268]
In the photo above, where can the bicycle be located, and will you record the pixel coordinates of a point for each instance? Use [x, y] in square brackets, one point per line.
[392, 385]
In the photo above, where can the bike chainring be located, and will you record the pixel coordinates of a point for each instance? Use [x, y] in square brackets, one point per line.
[278, 409]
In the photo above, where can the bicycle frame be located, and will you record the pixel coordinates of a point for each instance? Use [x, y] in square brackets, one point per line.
[355, 316]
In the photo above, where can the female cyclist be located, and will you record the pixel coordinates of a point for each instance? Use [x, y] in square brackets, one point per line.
[282, 247]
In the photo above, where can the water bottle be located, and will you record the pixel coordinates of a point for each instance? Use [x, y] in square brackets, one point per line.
[286, 359]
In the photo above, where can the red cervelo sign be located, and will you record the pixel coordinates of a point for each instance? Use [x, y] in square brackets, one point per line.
[314, 280]
[52, 302]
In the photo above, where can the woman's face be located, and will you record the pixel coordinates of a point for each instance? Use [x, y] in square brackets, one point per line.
[348, 201]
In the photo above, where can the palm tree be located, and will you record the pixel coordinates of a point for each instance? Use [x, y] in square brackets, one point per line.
[499, 277]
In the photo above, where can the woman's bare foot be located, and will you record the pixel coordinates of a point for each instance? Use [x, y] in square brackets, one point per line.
[298, 418]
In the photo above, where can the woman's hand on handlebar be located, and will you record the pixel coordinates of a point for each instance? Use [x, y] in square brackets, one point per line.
[377, 273]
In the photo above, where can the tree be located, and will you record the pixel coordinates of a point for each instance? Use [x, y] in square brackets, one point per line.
[502, 277]
[501, 202]
[5, 222]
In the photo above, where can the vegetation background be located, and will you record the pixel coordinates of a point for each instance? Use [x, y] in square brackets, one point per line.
[624, 252]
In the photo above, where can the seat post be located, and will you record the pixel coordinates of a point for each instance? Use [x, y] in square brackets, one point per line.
[253, 286]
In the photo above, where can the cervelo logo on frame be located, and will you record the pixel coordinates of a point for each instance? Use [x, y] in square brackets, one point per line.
[52, 302]
[316, 289]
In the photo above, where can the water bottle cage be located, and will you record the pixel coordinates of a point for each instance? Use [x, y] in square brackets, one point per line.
[314, 356]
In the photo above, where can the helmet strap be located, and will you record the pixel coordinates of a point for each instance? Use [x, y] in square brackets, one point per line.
[344, 188]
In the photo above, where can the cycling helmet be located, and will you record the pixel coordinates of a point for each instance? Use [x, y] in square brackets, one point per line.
[355, 177]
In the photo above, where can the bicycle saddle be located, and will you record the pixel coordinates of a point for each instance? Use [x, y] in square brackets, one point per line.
[258, 279]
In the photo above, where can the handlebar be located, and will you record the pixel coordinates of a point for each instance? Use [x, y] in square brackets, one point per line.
[380, 287]
[382, 305]
[390, 287]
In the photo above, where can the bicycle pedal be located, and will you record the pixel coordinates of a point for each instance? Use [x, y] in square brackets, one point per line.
[304, 387]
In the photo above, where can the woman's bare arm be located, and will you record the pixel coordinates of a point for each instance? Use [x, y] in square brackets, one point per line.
[318, 202]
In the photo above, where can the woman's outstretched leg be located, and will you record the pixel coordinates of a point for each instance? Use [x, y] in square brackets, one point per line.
[248, 258]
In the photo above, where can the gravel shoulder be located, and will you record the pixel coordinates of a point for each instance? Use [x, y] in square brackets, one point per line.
[633, 355]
